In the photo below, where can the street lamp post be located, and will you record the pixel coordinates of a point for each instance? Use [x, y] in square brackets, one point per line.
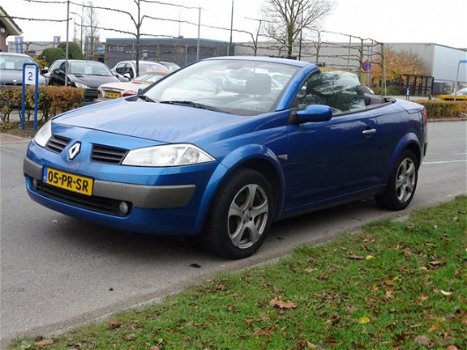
[81, 30]
[66, 44]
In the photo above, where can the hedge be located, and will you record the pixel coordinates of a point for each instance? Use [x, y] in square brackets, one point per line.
[437, 109]
[52, 101]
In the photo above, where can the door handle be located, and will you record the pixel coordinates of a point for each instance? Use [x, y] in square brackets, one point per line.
[369, 132]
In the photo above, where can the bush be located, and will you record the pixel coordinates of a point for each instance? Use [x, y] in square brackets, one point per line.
[52, 54]
[444, 109]
[52, 101]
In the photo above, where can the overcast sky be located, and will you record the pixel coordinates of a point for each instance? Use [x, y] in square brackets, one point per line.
[431, 21]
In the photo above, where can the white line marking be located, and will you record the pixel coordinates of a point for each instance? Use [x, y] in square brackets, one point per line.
[446, 162]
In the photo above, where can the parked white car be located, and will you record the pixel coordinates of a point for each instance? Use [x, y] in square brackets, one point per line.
[130, 88]
[127, 69]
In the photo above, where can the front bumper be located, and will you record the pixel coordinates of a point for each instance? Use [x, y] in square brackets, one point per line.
[140, 196]
[169, 207]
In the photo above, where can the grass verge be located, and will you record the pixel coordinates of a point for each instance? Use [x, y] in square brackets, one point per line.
[394, 285]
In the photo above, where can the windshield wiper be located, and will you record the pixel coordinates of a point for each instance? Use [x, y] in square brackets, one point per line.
[191, 104]
[146, 98]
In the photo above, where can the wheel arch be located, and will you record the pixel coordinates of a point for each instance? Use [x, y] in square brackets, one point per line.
[256, 157]
[410, 142]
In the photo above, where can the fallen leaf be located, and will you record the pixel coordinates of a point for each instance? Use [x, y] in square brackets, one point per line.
[131, 336]
[423, 340]
[44, 342]
[388, 294]
[452, 347]
[369, 257]
[422, 298]
[364, 320]
[309, 269]
[114, 325]
[154, 347]
[355, 257]
[435, 263]
[446, 294]
[264, 332]
[280, 304]
[374, 288]
[310, 345]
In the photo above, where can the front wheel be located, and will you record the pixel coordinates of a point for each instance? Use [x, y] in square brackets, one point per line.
[240, 215]
[402, 183]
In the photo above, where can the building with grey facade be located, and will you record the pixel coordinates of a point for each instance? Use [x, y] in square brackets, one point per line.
[178, 50]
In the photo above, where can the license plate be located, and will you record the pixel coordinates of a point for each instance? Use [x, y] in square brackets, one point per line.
[112, 94]
[69, 182]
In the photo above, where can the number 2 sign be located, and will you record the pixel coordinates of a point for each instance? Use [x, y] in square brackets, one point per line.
[30, 75]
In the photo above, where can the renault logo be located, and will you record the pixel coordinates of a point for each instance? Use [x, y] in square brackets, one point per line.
[74, 150]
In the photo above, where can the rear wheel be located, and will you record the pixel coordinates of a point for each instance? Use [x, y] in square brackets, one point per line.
[402, 183]
[240, 215]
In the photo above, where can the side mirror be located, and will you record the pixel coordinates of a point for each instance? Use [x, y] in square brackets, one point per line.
[313, 113]
[44, 70]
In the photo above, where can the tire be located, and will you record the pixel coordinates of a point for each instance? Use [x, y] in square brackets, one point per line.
[402, 183]
[240, 215]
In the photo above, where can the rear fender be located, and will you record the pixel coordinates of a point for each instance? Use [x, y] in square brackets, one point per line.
[409, 140]
[232, 162]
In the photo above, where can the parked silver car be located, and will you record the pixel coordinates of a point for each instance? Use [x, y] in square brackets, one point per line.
[11, 68]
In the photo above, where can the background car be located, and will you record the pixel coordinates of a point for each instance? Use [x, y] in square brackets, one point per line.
[170, 65]
[123, 89]
[11, 68]
[460, 95]
[188, 157]
[88, 75]
[128, 68]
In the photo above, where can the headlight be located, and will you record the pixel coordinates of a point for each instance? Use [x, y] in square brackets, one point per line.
[79, 85]
[168, 155]
[44, 134]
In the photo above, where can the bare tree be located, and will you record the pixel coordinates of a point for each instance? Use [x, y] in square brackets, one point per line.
[92, 32]
[287, 18]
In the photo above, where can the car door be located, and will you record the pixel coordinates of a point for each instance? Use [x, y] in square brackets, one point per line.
[57, 76]
[334, 159]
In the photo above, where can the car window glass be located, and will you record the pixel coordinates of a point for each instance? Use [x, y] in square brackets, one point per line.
[120, 68]
[244, 88]
[11, 62]
[89, 68]
[339, 90]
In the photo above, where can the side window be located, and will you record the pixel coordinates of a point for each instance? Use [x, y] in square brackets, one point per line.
[339, 90]
[62, 66]
[120, 69]
[128, 69]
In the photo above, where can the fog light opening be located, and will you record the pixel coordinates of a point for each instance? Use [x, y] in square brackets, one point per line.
[123, 208]
[34, 183]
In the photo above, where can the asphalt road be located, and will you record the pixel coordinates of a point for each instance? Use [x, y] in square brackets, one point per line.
[57, 271]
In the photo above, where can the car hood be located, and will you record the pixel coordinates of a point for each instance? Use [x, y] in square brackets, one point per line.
[155, 121]
[93, 81]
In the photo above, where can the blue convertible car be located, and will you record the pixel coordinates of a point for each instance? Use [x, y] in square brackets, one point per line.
[226, 146]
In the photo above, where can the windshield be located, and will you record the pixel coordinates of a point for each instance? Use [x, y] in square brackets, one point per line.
[89, 68]
[11, 62]
[234, 86]
[146, 67]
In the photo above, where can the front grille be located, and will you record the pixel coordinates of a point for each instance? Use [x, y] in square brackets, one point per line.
[106, 154]
[94, 203]
[56, 144]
